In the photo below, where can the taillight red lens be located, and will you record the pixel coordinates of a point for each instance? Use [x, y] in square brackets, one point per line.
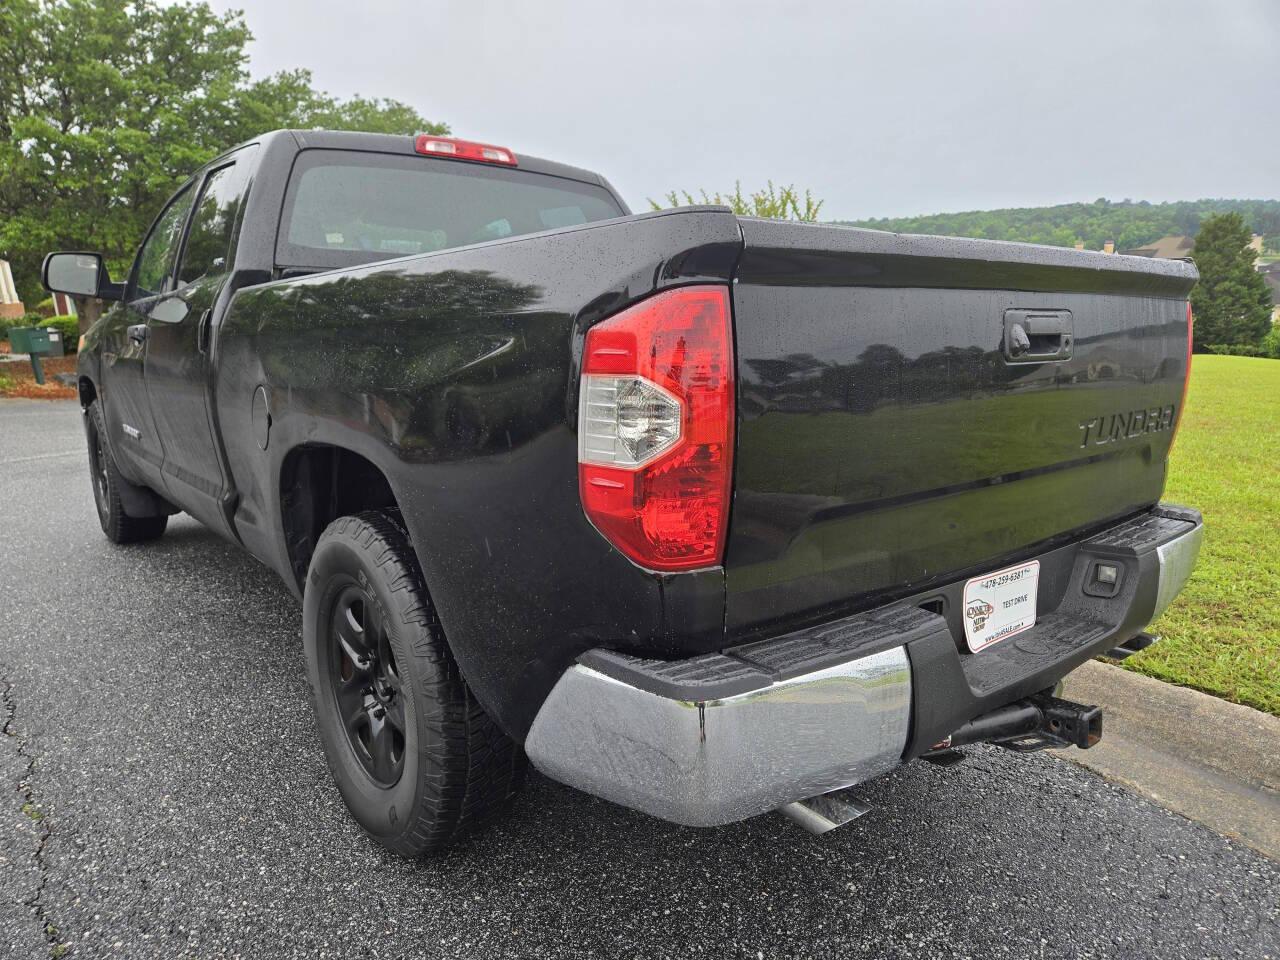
[463, 150]
[655, 428]
[1186, 378]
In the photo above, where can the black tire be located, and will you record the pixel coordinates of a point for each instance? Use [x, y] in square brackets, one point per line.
[415, 757]
[105, 477]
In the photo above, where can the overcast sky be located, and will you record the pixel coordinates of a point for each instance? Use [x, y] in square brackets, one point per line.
[882, 108]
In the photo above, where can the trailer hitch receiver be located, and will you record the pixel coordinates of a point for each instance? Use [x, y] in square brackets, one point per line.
[1036, 723]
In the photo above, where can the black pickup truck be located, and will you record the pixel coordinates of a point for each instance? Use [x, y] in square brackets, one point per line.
[702, 514]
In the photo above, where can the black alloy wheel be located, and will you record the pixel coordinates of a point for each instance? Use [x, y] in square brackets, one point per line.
[416, 758]
[366, 685]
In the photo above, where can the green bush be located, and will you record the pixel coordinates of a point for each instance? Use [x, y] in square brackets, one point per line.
[26, 320]
[1271, 342]
[45, 307]
[1238, 349]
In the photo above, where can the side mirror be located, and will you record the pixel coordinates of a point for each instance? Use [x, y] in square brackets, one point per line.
[79, 275]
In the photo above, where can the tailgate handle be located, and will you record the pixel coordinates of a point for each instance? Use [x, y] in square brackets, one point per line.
[1037, 336]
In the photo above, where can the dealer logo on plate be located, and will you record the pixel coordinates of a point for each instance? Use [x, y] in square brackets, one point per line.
[1000, 604]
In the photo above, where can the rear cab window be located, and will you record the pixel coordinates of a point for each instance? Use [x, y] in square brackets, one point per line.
[345, 207]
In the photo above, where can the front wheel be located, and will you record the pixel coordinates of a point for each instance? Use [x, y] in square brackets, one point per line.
[107, 484]
[414, 755]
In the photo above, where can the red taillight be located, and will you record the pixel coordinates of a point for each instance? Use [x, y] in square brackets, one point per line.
[463, 150]
[1186, 381]
[655, 428]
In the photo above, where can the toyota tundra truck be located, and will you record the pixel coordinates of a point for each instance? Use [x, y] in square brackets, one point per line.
[702, 514]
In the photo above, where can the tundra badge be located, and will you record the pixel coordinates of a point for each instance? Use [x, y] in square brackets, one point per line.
[1118, 426]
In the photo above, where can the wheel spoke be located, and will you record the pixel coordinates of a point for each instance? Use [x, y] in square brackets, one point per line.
[366, 686]
[371, 618]
[352, 643]
[349, 628]
[383, 749]
[395, 713]
[360, 664]
[352, 702]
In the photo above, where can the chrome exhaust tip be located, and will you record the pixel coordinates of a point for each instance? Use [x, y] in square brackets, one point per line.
[823, 813]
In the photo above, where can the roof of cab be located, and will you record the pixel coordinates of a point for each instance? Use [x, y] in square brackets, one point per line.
[399, 143]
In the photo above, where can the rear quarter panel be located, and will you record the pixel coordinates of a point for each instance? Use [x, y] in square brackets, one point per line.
[456, 373]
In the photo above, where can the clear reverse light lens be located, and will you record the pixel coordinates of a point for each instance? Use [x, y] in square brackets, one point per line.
[629, 421]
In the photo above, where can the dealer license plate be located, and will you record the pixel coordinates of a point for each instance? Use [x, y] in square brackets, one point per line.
[1000, 604]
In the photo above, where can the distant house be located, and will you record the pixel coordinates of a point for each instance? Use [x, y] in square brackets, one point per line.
[10, 305]
[1175, 248]
[63, 306]
[1172, 248]
[1271, 273]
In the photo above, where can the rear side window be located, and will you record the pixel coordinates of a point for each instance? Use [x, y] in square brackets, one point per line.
[208, 246]
[346, 207]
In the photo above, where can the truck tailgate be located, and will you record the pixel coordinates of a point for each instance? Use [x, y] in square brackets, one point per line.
[893, 434]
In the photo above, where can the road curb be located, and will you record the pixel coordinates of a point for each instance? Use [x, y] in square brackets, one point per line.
[1209, 760]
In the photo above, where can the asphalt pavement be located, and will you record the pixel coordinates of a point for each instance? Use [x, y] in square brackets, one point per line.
[164, 794]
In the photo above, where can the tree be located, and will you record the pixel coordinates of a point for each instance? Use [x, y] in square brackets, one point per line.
[1231, 303]
[778, 204]
[107, 105]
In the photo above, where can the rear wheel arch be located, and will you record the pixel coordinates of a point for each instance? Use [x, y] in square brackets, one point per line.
[318, 483]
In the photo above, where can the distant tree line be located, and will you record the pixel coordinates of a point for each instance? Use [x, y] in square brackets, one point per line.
[1129, 223]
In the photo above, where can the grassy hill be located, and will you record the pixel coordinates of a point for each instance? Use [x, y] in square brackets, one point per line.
[1129, 223]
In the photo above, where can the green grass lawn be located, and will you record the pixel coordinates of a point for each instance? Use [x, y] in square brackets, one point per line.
[1222, 635]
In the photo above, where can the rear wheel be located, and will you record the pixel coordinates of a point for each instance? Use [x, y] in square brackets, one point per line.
[107, 483]
[414, 755]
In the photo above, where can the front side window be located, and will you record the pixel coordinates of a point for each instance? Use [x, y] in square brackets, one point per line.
[209, 239]
[345, 207]
[156, 261]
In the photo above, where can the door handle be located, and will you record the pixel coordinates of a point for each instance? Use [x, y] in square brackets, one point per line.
[139, 332]
[1037, 336]
[202, 331]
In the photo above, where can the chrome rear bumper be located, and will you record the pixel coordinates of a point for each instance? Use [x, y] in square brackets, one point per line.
[1177, 559]
[722, 737]
[719, 761]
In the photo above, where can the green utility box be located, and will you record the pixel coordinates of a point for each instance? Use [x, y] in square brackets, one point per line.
[29, 340]
[32, 341]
